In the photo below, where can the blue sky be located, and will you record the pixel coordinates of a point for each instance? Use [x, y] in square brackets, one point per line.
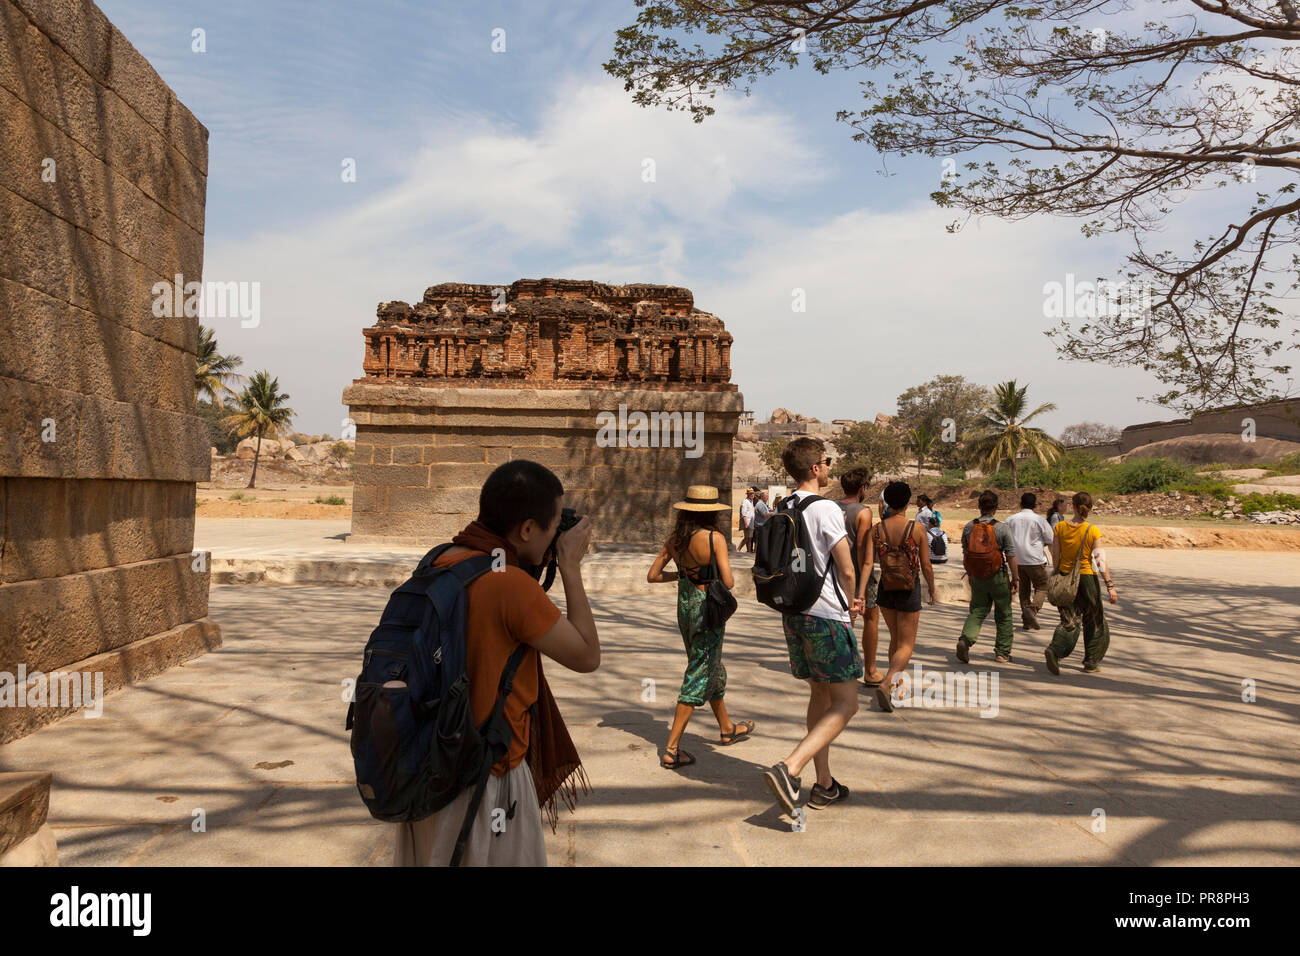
[488, 167]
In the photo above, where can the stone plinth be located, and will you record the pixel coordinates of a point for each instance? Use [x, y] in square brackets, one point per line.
[102, 191]
[422, 454]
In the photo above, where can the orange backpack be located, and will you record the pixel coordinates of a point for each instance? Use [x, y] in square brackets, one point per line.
[982, 557]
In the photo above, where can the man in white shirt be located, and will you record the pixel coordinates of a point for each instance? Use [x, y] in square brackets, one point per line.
[1033, 538]
[747, 521]
[822, 646]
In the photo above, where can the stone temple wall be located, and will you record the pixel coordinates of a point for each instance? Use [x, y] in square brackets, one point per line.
[1280, 420]
[103, 178]
[556, 371]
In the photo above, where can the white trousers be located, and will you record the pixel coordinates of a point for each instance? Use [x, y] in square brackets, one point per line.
[494, 840]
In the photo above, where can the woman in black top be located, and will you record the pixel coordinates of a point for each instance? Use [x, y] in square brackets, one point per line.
[699, 550]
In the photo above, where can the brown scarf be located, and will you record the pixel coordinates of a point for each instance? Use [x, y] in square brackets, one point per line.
[553, 760]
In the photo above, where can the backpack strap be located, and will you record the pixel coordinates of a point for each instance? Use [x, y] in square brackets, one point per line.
[1078, 555]
[496, 734]
[427, 561]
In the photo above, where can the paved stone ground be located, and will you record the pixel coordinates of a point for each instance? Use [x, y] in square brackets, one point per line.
[1161, 741]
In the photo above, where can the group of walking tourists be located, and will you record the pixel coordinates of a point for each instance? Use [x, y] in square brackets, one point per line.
[870, 567]
[447, 722]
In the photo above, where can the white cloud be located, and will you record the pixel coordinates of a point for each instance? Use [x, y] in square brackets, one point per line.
[494, 204]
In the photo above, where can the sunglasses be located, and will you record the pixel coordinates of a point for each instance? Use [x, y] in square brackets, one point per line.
[826, 462]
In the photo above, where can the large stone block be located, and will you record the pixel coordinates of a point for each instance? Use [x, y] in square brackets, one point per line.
[47, 623]
[89, 194]
[409, 476]
[46, 341]
[95, 438]
[430, 501]
[43, 75]
[37, 250]
[24, 806]
[82, 30]
[419, 529]
[59, 526]
[121, 666]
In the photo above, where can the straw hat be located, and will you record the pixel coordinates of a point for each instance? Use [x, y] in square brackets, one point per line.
[701, 498]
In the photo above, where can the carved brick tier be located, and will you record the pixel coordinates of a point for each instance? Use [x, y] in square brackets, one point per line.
[554, 333]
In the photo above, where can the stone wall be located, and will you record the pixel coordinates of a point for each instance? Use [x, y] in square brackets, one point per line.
[1279, 420]
[422, 455]
[476, 375]
[102, 191]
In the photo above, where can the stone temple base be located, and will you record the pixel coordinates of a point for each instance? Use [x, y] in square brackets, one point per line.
[423, 453]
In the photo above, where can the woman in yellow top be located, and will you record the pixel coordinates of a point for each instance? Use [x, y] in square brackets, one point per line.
[1075, 540]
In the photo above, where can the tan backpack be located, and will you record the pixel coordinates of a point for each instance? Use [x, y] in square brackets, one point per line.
[899, 563]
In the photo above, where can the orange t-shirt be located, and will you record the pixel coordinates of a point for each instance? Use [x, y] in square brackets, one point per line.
[505, 608]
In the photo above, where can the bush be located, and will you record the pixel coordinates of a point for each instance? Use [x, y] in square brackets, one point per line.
[1254, 502]
[1290, 465]
[341, 451]
[237, 496]
[330, 500]
[1150, 474]
[953, 476]
[221, 439]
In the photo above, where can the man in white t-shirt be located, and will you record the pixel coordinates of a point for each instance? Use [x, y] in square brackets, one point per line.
[747, 521]
[823, 650]
[1033, 538]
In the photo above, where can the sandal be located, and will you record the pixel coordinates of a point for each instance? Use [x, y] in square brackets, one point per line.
[737, 733]
[680, 759]
[880, 679]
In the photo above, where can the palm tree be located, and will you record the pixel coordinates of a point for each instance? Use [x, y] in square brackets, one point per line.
[261, 411]
[920, 439]
[213, 371]
[1002, 433]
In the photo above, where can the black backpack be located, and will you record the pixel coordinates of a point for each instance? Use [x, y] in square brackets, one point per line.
[938, 546]
[785, 578]
[414, 743]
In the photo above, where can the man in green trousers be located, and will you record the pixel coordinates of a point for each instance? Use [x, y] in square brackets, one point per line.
[989, 556]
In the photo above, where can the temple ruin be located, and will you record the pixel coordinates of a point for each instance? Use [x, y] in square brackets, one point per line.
[624, 391]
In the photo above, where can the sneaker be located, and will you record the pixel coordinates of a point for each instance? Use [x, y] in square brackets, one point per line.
[1003, 658]
[824, 796]
[1051, 662]
[783, 786]
[963, 650]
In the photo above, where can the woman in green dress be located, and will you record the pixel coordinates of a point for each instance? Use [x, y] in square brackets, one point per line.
[699, 549]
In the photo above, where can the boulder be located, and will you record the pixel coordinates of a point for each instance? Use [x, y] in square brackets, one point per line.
[248, 447]
[1214, 449]
[295, 454]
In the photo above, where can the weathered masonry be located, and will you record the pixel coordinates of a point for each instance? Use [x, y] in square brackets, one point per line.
[102, 189]
[623, 391]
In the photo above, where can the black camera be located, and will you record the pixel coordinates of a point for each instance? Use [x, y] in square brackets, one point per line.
[568, 518]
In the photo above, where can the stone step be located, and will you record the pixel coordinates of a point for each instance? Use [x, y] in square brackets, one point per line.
[25, 837]
[604, 573]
